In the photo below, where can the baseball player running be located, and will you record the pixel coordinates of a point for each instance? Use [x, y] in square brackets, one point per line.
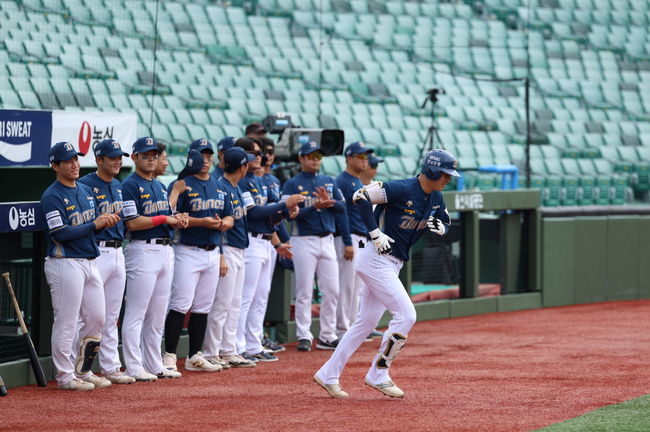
[68, 210]
[356, 158]
[107, 192]
[197, 257]
[313, 247]
[404, 209]
[149, 265]
[220, 344]
[260, 218]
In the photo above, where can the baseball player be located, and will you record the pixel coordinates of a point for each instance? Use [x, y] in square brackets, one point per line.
[223, 145]
[369, 175]
[197, 257]
[68, 210]
[404, 209]
[149, 265]
[356, 158]
[162, 163]
[261, 216]
[220, 344]
[313, 247]
[107, 192]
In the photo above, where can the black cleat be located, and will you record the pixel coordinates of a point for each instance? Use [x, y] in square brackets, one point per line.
[326, 345]
[304, 345]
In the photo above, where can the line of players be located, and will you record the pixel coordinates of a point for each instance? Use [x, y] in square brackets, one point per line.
[206, 245]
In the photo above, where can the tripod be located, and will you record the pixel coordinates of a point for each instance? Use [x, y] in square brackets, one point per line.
[432, 131]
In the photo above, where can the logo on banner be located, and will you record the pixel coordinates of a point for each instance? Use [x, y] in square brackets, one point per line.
[16, 129]
[91, 135]
[21, 218]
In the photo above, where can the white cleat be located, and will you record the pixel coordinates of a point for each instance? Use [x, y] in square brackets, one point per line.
[77, 385]
[98, 382]
[333, 390]
[169, 361]
[118, 377]
[144, 376]
[219, 361]
[165, 373]
[200, 364]
[388, 388]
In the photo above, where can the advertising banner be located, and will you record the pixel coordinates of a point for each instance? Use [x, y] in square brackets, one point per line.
[20, 216]
[25, 137]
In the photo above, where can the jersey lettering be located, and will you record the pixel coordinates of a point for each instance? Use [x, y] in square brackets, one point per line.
[150, 207]
[198, 204]
[410, 223]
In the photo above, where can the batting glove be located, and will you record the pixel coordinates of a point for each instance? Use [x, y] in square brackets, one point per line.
[381, 241]
[436, 226]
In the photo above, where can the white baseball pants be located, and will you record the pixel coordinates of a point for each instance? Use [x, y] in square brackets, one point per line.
[382, 291]
[350, 283]
[221, 332]
[196, 275]
[260, 261]
[110, 263]
[149, 271]
[313, 255]
[76, 289]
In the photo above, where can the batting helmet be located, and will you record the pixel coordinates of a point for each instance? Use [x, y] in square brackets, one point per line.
[437, 161]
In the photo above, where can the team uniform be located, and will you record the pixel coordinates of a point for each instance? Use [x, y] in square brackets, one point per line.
[149, 269]
[220, 343]
[110, 263]
[196, 268]
[404, 210]
[259, 257]
[313, 249]
[75, 283]
[353, 233]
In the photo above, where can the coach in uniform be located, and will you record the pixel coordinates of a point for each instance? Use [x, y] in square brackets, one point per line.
[149, 265]
[404, 209]
[313, 247]
[107, 191]
[68, 210]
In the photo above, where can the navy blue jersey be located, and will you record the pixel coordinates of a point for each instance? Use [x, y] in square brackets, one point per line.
[145, 198]
[273, 185]
[310, 220]
[204, 198]
[108, 199]
[348, 185]
[260, 212]
[406, 212]
[217, 172]
[237, 236]
[63, 206]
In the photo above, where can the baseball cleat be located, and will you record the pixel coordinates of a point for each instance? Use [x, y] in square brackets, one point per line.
[304, 345]
[388, 388]
[272, 345]
[77, 385]
[249, 357]
[118, 377]
[264, 356]
[165, 373]
[238, 361]
[333, 390]
[169, 361]
[199, 363]
[144, 376]
[218, 361]
[326, 345]
[98, 382]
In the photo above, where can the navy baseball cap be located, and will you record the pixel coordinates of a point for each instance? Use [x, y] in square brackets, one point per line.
[62, 151]
[236, 157]
[226, 143]
[202, 145]
[356, 148]
[144, 144]
[193, 164]
[110, 148]
[308, 147]
[373, 160]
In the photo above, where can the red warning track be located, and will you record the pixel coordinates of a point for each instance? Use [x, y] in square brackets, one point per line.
[509, 371]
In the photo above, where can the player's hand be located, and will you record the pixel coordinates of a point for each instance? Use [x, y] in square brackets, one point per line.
[174, 222]
[348, 253]
[436, 226]
[223, 267]
[293, 212]
[183, 220]
[323, 199]
[180, 186]
[294, 200]
[381, 241]
[284, 250]
[212, 222]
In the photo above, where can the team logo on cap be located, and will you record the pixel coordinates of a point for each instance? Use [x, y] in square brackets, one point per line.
[203, 142]
[116, 145]
[455, 163]
[149, 141]
[68, 147]
[243, 161]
